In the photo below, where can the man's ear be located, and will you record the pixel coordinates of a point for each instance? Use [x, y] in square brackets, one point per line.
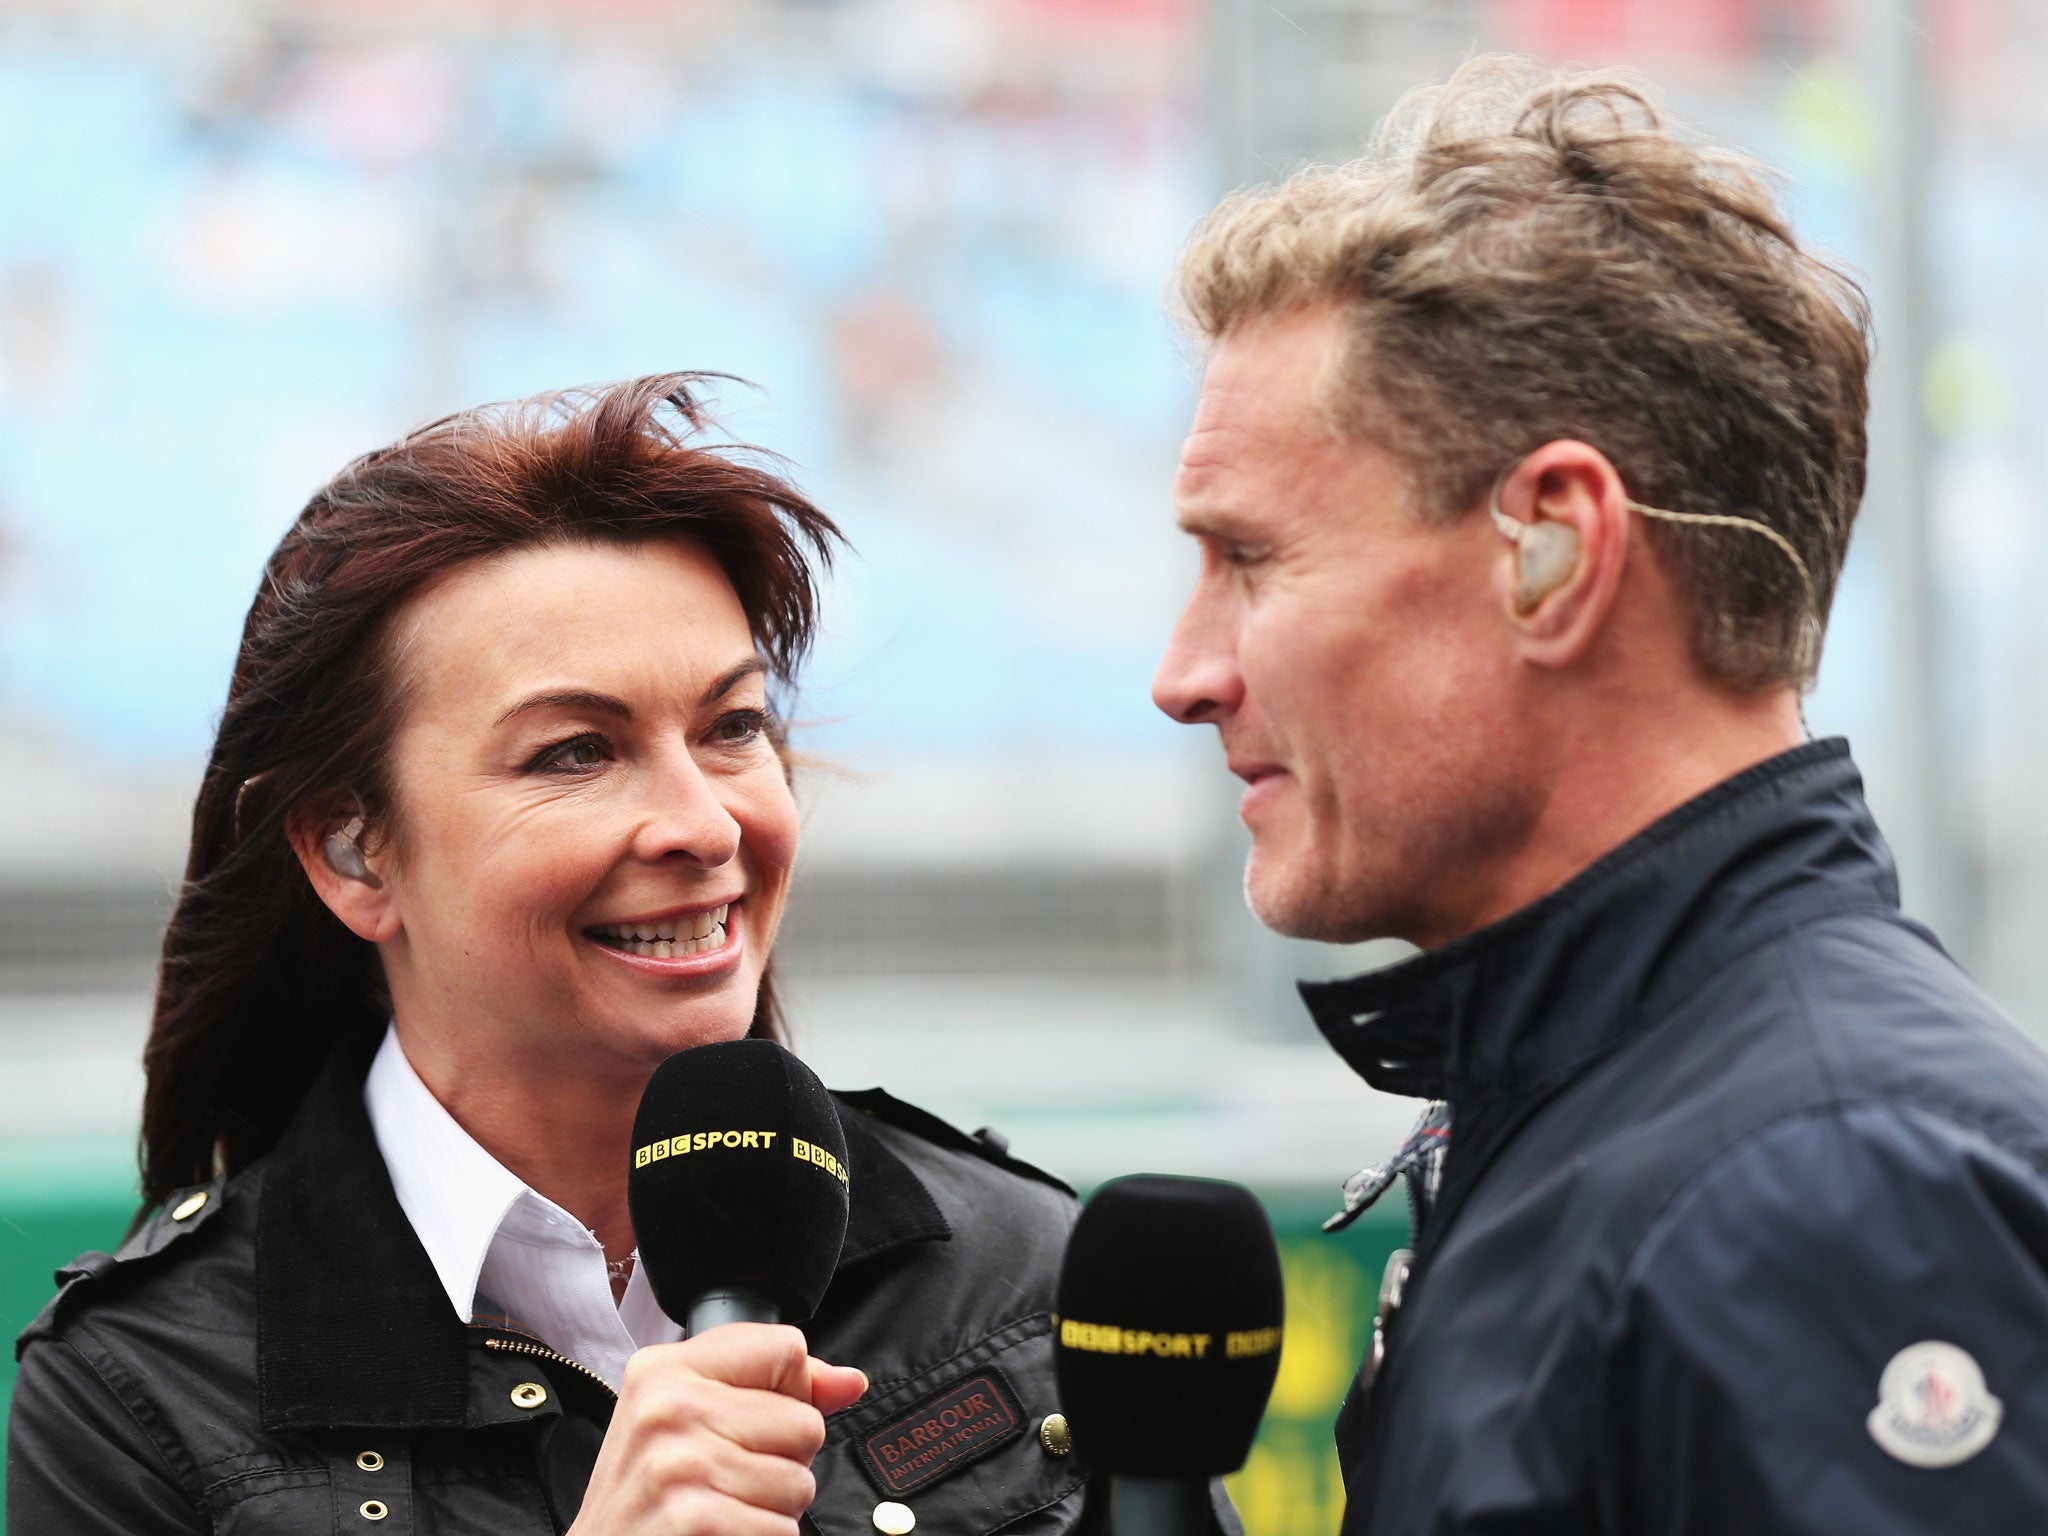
[1561, 572]
[344, 873]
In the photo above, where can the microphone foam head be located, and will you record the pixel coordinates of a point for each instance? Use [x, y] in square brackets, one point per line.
[739, 1178]
[1168, 1333]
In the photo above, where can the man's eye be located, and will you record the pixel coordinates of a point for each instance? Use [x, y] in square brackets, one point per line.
[575, 754]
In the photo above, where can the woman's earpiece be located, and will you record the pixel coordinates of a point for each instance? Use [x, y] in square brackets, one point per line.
[345, 854]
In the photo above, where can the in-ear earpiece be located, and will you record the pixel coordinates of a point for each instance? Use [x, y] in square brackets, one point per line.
[1546, 553]
[1545, 556]
[345, 854]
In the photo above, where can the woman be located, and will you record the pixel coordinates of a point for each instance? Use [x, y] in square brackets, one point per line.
[497, 819]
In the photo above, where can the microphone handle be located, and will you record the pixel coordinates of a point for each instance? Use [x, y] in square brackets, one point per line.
[733, 1304]
[1160, 1506]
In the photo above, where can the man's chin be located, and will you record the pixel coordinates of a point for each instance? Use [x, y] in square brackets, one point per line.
[1299, 907]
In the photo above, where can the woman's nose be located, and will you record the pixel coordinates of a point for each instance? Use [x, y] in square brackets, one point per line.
[685, 817]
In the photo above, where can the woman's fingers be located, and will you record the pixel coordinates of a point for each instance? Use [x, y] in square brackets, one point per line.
[716, 1434]
[682, 1476]
[754, 1420]
[769, 1356]
[834, 1387]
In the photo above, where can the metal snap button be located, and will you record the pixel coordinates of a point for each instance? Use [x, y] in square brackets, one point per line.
[371, 1509]
[893, 1519]
[529, 1394]
[369, 1461]
[1054, 1435]
[190, 1206]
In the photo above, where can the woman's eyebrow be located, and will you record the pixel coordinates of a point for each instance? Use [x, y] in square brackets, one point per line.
[570, 698]
[605, 704]
[753, 666]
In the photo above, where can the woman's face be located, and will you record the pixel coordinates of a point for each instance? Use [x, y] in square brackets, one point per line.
[593, 832]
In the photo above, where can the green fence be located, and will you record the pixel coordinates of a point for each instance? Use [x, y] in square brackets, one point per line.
[59, 1201]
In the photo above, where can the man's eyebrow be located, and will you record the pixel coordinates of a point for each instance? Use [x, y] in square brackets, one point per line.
[1210, 522]
[573, 699]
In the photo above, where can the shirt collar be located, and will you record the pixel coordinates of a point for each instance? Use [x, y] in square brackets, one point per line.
[455, 1194]
[1530, 999]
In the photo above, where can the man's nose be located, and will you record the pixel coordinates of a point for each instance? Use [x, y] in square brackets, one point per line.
[1198, 682]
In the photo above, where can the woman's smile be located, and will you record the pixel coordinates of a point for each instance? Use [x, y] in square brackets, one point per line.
[665, 938]
[703, 942]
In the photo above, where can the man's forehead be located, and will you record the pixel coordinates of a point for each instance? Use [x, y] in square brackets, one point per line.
[1258, 420]
[1264, 381]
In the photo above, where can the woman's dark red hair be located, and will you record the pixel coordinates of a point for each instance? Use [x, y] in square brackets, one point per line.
[258, 979]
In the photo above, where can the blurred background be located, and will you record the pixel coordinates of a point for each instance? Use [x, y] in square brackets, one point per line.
[243, 240]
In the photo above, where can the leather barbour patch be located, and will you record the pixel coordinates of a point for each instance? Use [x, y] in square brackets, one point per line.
[942, 1434]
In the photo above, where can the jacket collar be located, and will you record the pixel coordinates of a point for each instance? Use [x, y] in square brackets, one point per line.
[353, 1324]
[1527, 1001]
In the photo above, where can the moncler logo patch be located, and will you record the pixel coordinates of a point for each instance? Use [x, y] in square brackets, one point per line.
[942, 1434]
[1933, 1409]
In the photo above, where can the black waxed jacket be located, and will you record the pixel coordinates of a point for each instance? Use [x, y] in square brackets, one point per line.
[282, 1360]
[1745, 1179]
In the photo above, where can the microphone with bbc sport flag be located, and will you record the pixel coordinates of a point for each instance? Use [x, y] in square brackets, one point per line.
[1167, 1340]
[739, 1185]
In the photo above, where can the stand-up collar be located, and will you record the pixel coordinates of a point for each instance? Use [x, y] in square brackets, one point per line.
[353, 1324]
[1528, 1000]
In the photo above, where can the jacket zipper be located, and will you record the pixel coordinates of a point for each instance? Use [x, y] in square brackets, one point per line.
[515, 1347]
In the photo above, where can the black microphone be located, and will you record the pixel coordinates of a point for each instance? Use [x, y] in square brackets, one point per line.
[1168, 1335]
[739, 1185]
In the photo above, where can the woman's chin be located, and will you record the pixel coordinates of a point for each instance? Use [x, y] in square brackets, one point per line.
[658, 1024]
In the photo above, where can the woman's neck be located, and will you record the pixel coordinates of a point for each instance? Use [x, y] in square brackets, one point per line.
[566, 1136]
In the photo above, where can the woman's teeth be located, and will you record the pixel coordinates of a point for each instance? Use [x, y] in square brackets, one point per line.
[666, 941]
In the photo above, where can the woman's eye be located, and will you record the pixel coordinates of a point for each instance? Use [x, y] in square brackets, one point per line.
[740, 726]
[577, 753]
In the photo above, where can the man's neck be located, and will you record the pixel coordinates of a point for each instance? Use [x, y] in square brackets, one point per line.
[1609, 781]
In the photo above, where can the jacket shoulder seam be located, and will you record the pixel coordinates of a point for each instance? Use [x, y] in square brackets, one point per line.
[1817, 1044]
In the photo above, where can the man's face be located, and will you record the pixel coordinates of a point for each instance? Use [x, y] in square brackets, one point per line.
[1353, 659]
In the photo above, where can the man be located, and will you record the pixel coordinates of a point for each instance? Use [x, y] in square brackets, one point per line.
[1524, 467]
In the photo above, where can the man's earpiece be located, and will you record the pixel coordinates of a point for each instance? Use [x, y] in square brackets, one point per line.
[345, 854]
[1546, 553]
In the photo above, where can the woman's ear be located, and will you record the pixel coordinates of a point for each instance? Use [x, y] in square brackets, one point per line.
[330, 844]
[1566, 515]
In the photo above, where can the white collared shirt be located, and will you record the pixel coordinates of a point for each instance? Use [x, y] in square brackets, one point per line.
[490, 1236]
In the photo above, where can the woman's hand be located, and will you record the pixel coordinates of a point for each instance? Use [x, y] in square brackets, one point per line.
[715, 1434]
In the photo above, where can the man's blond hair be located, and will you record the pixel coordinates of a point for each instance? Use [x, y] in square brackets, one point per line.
[1527, 255]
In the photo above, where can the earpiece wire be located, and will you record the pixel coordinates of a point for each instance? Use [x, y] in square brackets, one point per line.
[1512, 530]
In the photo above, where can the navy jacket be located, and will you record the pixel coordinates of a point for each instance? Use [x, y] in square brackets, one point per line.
[1743, 1224]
